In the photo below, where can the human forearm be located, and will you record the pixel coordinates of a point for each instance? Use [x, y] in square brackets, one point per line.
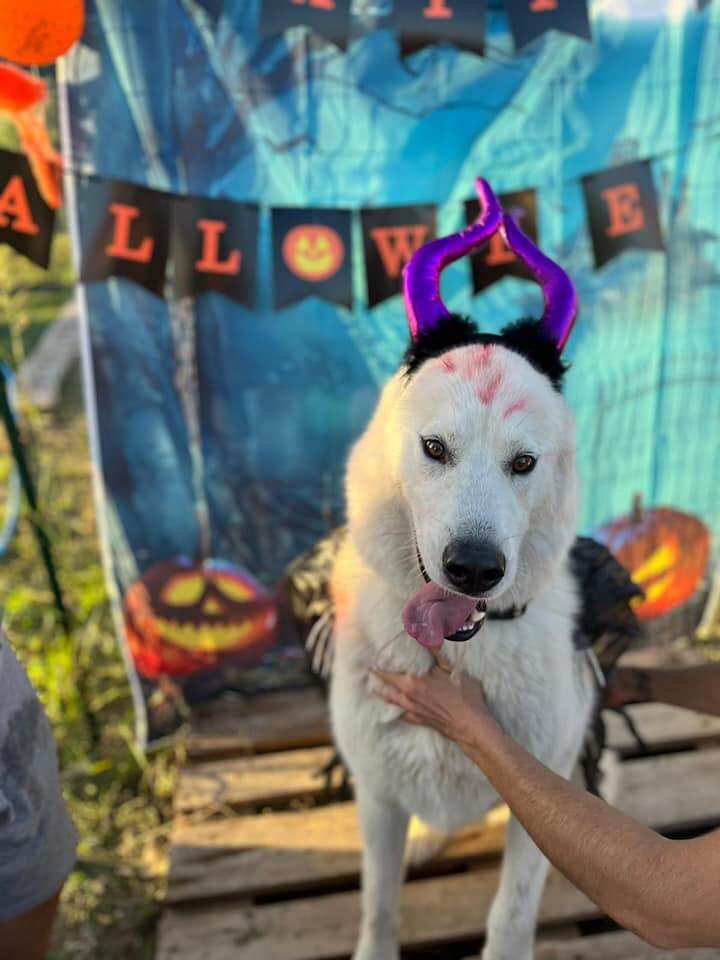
[635, 876]
[695, 688]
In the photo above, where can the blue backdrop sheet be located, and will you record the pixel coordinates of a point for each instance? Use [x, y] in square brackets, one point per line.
[186, 98]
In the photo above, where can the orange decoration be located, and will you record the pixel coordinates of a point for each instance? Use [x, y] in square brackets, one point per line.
[37, 32]
[666, 553]
[182, 618]
[22, 100]
[313, 252]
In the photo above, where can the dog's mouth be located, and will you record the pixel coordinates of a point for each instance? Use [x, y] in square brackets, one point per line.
[435, 614]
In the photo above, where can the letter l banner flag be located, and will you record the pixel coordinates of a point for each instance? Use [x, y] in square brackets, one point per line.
[530, 19]
[125, 232]
[622, 210]
[391, 235]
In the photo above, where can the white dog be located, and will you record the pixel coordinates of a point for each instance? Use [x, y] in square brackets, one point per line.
[462, 509]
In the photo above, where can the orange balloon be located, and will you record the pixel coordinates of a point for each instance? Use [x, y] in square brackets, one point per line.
[37, 32]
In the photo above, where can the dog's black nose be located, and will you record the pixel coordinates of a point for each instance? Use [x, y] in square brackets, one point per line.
[473, 566]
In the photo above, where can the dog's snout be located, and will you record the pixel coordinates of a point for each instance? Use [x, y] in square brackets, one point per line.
[473, 566]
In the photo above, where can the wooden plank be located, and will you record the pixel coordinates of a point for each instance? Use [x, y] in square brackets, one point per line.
[314, 849]
[615, 946]
[439, 910]
[236, 725]
[662, 728]
[282, 853]
[244, 783]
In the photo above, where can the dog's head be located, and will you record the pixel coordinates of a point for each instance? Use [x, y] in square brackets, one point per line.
[473, 451]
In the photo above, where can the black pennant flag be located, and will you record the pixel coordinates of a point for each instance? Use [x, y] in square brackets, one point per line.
[530, 19]
[391, 235]
[495, 261]
[311, 256]
[125, 231]
[622, 210]
[327, 18]
[420, 23]
[214, 247]
[26, 221]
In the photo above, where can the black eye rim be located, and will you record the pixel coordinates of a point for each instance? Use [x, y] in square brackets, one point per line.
[523, 472]
[443, 454]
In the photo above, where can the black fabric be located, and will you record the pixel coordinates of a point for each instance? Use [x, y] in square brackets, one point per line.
[525, 337]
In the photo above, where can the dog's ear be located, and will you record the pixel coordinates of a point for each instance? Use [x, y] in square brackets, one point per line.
[529, 339]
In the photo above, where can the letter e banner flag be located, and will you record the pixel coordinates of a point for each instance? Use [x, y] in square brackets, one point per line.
[622, 211]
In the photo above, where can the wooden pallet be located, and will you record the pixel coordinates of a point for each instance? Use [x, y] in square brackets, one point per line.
[264, 863]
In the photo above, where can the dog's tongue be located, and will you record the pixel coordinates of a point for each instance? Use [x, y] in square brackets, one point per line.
[433, 614]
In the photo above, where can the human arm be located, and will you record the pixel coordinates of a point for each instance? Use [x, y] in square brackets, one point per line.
[695, 688]
[668, 892]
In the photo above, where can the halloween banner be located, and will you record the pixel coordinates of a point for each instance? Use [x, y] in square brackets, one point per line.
[26, 221]
[327, 18]
[126, 232]
[214, 247]
[495, 261]
[530, 19]
[221, 425]
[622, 211]
[312, 256]
[391, 236]
[420, 23]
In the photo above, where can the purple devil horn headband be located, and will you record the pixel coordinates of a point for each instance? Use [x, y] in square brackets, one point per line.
[423, 303]
[421, 276]
[561, 303]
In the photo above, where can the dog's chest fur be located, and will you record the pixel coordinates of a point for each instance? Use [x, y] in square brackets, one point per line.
[536, 685]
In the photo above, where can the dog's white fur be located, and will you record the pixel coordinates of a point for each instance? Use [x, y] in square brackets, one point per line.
[537, 686]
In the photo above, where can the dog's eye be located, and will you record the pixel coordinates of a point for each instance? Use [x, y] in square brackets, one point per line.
[434, 448]
[524, 463]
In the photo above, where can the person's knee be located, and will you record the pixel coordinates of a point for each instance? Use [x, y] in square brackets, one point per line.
[27, 937]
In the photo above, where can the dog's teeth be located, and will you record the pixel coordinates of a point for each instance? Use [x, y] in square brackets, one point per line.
[477, 615]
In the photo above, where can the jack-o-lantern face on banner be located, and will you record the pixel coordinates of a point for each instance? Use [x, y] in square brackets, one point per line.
[311, 256]
[666, 553]
[182, 618]
[37, 32]
[313, 252]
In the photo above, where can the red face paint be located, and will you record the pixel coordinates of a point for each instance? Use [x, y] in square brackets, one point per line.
[489, 390]
[515, 408]
[448, 364]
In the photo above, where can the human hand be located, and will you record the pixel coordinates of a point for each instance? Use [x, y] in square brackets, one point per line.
[452, 704]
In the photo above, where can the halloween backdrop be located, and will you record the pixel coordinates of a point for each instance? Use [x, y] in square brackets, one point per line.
[222, 422]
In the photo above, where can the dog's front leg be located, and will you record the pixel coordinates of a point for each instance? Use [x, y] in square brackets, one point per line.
[513, 915]
[384, 825]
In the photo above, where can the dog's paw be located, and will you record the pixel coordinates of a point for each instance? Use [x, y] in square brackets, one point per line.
[423, 842]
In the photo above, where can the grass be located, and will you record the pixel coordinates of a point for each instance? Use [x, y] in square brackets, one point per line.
[119, 799]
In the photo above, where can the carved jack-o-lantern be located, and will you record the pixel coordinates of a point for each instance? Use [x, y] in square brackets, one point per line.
[313, 252]
[182, 618]
[666, 553]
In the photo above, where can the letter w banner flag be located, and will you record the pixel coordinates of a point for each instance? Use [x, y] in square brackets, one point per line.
[214, 247]
[530, 19]
[494, 261]
[312, 256]
[327, 18]
[622, 210]
[125, 232]
[26, 221]
[391, 236]
[420, 23]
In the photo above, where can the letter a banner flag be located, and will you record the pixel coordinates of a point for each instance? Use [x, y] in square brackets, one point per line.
[243, 197]
[622, 211]
[390, 237]
[26, 221]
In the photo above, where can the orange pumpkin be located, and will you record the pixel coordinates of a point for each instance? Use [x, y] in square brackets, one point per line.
[181, 618]
[37, 32]
[313, 252]
[666, 553]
